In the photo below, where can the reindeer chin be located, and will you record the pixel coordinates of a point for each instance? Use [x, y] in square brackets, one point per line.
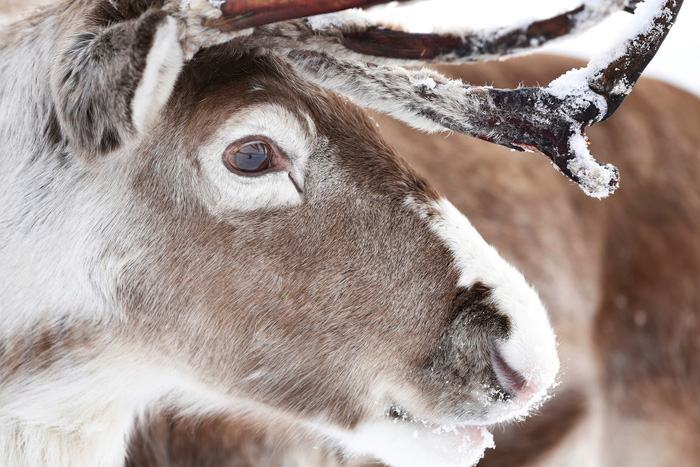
[401, 443]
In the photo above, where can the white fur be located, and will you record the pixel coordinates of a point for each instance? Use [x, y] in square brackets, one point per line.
[530, 350]
[193, 14]
[81, 415]
[49, 259]
[402, 444]
[531, 347]
[163, 65]
[232, 192]
[53, 266]
[364, 91]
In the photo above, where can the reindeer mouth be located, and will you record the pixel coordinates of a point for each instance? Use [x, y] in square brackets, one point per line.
[400, 415]
[464, 438]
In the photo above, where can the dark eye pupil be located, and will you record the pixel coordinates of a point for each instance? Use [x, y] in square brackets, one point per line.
[251, 157]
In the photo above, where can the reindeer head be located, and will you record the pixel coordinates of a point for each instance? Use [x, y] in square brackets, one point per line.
[253, 231]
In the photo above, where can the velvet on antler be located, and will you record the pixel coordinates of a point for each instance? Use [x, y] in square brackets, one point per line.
[359, 60]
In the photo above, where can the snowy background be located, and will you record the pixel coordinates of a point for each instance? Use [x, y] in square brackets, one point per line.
[678, 61]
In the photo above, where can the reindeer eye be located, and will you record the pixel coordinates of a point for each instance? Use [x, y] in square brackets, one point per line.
[251, 157]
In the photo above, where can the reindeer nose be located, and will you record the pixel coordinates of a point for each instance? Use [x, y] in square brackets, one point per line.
[516, 385]
[476, 310]
[512, 382]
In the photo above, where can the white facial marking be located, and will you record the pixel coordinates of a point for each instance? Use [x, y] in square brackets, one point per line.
[401, 444]
[531, 347]
[163, 65]
[232, 192]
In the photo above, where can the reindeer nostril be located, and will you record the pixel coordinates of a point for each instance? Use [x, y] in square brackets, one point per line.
[511, 380]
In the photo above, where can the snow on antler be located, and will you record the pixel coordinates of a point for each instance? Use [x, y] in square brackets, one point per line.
[362, 37]
[521, 119]
[354, 34]
[243, 14]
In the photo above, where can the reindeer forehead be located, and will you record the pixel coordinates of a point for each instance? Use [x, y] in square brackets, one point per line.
[217, 84]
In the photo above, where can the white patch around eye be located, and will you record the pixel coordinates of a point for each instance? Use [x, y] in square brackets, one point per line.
[232, 192]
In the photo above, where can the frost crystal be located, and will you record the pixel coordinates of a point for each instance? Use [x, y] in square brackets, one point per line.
[598, 181]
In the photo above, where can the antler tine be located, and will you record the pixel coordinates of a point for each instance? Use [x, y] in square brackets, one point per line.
[242, 14]
[614, 76]
[550, 120]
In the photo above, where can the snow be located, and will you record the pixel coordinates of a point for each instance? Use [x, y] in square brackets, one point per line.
[424, 83]
[353, 16]
[641, 22]
[597, 181]
[574, 84]
[676, 61]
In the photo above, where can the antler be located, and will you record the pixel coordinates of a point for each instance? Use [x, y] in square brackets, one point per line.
[551, 119]
[356, 37]
[243, 14]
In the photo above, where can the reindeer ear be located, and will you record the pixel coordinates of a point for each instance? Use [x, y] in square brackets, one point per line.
[111, 82]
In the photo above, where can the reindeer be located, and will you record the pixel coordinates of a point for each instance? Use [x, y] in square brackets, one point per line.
[618, 278]
[196, 222]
